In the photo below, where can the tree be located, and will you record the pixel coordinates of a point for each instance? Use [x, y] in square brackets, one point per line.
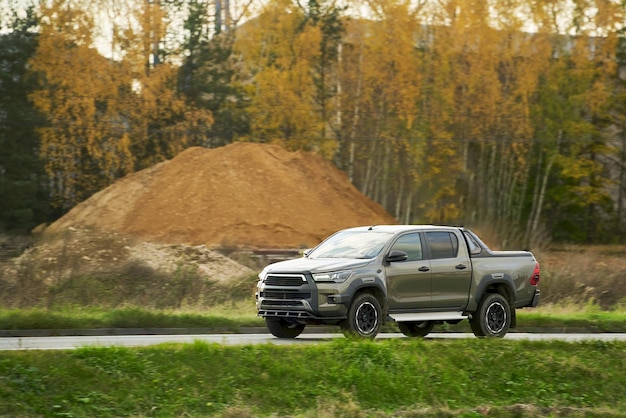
[382, 136]
[279, 50]
[328, 18]
[495, 67]
[107, 117]
[81, 149]
[209, 76]
[617, 118]
[160, 122]
[24, 202]
[572, 101]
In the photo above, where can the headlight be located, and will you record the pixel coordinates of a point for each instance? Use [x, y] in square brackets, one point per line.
[333, 276]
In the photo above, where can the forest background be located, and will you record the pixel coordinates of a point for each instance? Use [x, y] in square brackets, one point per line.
[507, 113]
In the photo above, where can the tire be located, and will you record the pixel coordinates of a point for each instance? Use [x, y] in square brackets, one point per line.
[283, 329]
[416, 329]
[364, 317]
[493, 317]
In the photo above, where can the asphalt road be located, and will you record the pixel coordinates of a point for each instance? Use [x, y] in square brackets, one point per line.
[73, 342]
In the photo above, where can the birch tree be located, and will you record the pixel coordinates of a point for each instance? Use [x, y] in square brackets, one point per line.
[77, 84]
[106, 116]
[161, 122]
[383, 135]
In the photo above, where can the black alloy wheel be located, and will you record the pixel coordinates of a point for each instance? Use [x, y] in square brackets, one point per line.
[364, 317]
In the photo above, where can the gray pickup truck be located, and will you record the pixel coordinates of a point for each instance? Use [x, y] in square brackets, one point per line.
[416, 275]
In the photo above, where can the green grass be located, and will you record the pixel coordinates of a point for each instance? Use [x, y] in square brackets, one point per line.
[404, 378]
[232, 317]
[595, 321]
[97, 318]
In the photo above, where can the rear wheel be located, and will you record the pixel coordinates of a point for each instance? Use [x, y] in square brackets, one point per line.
[282, 328]
[364, 317]
[416, 329]
[493, 317]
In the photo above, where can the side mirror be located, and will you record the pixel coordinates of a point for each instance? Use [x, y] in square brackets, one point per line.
[396, 255]
[306, 252]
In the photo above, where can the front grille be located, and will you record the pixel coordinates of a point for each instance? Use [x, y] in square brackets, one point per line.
[285, 280]
[277, 294]
[284, 292]
[281, 303]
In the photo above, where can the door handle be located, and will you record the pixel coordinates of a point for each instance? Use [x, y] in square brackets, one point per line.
[423, 268]
[460, 267]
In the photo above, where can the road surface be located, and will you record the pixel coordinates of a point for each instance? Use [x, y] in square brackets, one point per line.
[73, 342]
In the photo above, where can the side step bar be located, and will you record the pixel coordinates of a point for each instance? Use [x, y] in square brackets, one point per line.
[428, 316]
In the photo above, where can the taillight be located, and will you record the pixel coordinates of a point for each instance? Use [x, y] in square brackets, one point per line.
[534, 279]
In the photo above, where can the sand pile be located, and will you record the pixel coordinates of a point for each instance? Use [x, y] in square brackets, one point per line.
[81, 252]
[242, 195]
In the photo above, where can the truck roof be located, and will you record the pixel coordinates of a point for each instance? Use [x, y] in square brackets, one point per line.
[400, 228]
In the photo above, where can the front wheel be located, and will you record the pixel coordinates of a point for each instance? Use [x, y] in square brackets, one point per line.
[493, 317]
[283, 329]
[364, 317]
[416, 329]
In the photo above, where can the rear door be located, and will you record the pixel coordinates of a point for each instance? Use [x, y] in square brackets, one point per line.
[450, 269]
[409, 282]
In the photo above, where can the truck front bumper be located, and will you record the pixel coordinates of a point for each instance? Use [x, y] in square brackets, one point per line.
[298, 297]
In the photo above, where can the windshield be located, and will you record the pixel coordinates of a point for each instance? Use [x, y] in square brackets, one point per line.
[352, 244]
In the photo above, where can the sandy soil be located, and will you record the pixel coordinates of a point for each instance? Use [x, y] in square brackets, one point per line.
[191, 211]
[243, 195]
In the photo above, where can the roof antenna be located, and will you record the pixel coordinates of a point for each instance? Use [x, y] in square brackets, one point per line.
[371, 227]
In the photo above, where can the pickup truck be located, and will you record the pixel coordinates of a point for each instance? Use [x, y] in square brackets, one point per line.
[416, 275]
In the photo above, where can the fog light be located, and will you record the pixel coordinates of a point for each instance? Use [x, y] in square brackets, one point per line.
[333, 299]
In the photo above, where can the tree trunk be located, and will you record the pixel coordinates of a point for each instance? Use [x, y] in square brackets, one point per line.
[355, 120]
[535, 199]
[542, 193]
[517, 217]
[406, 219]
[398, 208]
[620, 190]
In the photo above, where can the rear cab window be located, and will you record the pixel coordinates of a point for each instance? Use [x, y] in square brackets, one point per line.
[442, 244]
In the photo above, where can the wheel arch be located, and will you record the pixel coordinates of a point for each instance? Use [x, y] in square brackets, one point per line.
[377, 292]
[503, 286]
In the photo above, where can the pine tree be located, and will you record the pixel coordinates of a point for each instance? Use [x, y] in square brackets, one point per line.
[209, 78]
[23, 199]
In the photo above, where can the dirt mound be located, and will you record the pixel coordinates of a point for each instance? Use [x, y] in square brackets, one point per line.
[86, 267]
[241, 195]
[79, 251]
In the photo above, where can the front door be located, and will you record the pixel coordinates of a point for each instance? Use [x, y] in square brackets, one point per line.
[409, 282]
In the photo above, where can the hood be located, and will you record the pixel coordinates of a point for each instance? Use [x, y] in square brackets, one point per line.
[315, 265]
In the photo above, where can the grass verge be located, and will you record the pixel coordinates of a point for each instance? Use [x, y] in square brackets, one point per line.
[236, 315]
[382, 378]
[132, 317]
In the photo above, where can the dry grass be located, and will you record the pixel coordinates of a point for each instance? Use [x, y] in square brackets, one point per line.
[573, 277]
[92, 268]
[577, 276]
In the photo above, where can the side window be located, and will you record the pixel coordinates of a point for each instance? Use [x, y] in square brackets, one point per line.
[411, 244]
[442, 244]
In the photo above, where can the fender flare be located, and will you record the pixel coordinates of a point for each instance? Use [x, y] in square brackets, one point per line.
[487, 281]
[361, 283]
